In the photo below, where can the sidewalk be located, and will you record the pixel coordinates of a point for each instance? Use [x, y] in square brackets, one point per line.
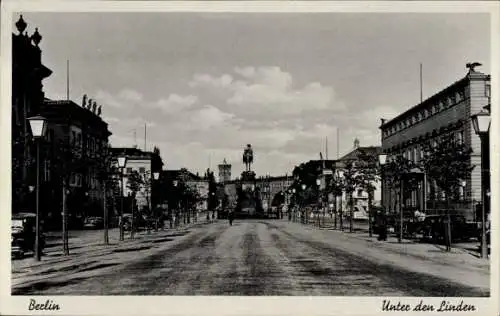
[459, 256]
[89, 253]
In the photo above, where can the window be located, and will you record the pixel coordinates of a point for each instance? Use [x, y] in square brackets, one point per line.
[461, 192]
[415, 158]
[453, 99]
[360, 193]
[142, 170]
[47, 170]
[460, 137]
[461, 95]
[487, 90]
[73, 138]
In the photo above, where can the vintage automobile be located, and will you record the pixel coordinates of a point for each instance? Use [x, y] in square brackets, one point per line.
[433, 228]
[93, 222]
[23, 233]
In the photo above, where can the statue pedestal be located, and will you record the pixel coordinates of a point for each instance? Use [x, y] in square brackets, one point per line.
[248, 176]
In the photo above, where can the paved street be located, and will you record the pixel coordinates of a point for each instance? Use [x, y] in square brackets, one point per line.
[253, 257]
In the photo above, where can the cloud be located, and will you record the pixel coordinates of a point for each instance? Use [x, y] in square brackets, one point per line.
[175, 103]
[285, 122]
[268, 90]
[129, 94]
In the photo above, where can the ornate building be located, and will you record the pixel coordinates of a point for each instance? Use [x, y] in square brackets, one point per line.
[28, 73]
[447, 111]
[74, 150]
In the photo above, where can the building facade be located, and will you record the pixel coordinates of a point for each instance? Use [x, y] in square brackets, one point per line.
[74, 155]
[360, 195]
[28, 72]
[448, 111]
[144, 164]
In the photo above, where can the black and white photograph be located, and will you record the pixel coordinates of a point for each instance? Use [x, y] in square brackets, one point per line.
[250, 153]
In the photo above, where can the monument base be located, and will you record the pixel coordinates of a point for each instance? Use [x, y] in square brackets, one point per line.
[248, 176]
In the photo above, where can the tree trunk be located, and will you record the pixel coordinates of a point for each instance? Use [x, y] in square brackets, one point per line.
[370, 197]
[341, 215]
[448, 224]
[132, 225]
[335, 212]
[65, 221]
[105, 208]
[351, 213]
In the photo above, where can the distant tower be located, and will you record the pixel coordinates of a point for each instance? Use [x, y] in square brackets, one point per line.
[224, 171]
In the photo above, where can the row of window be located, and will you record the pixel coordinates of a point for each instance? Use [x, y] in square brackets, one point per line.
[416, 152]
[426, 113]
[141, 170]
[92, 145]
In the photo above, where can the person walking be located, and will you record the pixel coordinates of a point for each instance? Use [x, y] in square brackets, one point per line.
[382, 227]
[230, 216]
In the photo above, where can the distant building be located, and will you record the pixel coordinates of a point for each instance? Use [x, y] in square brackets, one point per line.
[194, 181]
[224, 171]
[447, 111]
[28, 72]
[359, 195]
[145, 164]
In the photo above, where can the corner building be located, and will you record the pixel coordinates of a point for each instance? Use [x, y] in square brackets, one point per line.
[448, 111]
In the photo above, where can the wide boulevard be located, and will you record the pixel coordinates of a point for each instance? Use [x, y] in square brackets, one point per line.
[254, 257]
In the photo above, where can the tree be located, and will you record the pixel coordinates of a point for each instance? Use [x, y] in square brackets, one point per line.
[335, 186]
[350, 183]
[134, 183]
[395, 173]
[368, 175]
[447, 162]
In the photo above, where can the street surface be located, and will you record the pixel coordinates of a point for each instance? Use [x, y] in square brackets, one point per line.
[253, 257]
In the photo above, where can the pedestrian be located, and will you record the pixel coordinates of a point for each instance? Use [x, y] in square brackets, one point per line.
[230, 216]
[382, 227]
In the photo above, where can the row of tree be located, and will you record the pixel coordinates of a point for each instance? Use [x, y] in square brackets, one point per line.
[445, 161]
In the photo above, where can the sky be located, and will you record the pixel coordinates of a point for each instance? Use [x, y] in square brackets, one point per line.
[207, 84]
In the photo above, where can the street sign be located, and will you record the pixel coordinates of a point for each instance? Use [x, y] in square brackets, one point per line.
[327, 172]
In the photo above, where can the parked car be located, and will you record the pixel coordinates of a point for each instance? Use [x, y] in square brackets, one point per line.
[433, 228]
[93, 222]
[23, 233]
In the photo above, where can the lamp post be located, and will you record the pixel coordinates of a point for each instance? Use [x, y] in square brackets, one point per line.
[340, 175]
[318, 183]
[156, 177]
[304, 217]
[481, 122]
[294, 204]
[38, 126]
[382, 160]
[122, 161]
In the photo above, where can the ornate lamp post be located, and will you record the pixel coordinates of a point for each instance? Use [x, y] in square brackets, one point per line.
[122, 161]
[304, 217]
[481, 122]
[38, 126]
[382, 160]
[340, 175]
[318, 183]
[156, 177]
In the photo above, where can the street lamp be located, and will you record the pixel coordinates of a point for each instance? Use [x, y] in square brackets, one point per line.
[122, 161]
[382, 160]
[38, 126]
[481, 122]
